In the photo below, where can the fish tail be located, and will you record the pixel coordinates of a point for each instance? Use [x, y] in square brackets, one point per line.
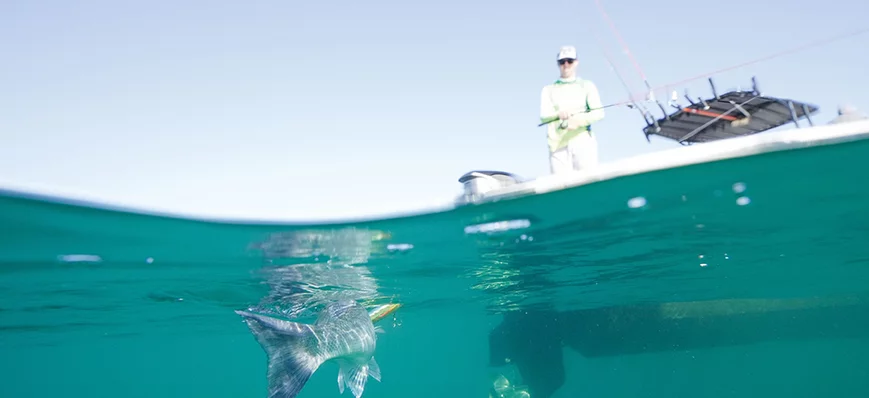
[288, 383]
[290, 364]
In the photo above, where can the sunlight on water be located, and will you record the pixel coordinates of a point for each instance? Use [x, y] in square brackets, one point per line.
[736, 278]
[500, 226]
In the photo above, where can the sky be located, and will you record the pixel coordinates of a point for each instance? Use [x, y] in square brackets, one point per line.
[317, 111]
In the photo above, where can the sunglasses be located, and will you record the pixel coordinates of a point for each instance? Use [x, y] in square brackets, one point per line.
[566, 61]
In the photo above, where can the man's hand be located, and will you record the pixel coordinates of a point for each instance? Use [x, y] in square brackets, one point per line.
[578, 121]
[563, 115]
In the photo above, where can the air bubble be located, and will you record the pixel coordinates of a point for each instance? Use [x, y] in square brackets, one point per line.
[743, 200]
[80, 258]
[636, 202]
[739, 187]
[498, 226]
[399, 247]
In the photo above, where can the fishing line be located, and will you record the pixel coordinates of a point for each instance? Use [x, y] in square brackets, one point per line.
[623, 43]
[774, 55]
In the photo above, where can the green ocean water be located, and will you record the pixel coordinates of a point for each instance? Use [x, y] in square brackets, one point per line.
[738, 278]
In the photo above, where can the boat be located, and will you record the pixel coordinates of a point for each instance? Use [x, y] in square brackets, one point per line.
[729, 125]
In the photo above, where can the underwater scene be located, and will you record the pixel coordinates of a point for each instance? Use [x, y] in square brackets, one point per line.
[745, 277]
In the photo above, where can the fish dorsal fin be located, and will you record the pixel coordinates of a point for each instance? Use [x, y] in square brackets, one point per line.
[258, 323]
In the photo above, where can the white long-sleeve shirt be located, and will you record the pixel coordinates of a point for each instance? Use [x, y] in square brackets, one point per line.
[573, 95]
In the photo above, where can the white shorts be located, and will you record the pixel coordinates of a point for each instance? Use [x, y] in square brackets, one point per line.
[579, 154]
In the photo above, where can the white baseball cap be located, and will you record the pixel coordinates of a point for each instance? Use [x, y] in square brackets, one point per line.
[566, 52]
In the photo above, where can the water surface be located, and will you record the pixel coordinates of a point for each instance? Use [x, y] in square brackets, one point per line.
[745, 277]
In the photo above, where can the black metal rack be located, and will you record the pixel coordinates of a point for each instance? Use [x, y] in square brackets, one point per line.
[732, 114]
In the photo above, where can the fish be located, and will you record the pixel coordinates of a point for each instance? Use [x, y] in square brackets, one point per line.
[343, 332]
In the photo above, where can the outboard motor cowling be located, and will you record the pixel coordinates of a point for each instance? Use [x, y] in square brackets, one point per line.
[478, 182]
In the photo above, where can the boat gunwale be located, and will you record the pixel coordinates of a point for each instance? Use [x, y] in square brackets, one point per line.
[732, 148]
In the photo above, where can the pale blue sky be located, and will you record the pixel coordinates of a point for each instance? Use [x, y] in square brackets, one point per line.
[305, 110]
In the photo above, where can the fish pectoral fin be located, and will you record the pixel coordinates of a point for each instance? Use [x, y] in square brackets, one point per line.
[378, 329]
[354, 376]
[374, 369]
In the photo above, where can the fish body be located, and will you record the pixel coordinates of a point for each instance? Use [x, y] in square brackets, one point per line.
[343, 332]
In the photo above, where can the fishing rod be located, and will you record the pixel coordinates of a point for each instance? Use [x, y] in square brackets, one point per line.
[643, 111]
[578, 111]
[750, 62]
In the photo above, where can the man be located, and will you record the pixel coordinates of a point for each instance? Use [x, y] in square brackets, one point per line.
[572, 105]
